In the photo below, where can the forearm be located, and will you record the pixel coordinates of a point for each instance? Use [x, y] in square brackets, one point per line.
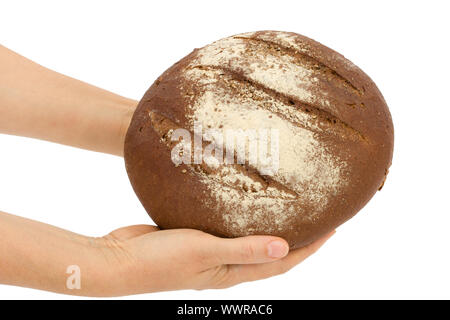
[38, 256]
[39, 103]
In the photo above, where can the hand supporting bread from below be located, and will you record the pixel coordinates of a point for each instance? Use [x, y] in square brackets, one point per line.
[39, 103]
[137, 259]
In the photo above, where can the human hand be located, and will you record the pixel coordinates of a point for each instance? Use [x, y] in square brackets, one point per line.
[146, 259]
[137, 259]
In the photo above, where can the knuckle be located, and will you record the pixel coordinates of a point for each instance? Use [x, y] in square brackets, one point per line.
[247, 252]
[198, 236]
[281, 268]
[311, 249]
[202, 257]
[221, 277]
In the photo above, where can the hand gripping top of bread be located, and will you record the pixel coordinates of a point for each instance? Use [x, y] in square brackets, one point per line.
[260, 133]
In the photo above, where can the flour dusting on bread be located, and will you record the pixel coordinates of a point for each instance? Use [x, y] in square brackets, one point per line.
[306, 168]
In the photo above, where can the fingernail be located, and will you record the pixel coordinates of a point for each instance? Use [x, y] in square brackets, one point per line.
[277, 249]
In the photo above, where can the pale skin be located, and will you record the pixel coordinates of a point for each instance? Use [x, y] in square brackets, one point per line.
[39, 103]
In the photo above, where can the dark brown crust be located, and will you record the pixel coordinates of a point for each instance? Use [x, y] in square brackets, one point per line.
[359, 130]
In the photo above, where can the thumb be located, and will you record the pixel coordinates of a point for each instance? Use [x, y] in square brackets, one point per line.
[250, 249]
[130, 232]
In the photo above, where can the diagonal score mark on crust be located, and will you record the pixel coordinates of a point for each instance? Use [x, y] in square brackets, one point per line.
[164, 127]
[306, 164]
[269, 208]
[304, 57]
[328, 119]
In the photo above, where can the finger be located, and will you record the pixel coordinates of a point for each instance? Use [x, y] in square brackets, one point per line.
[245, 273]
[130, 232]
[248, 250]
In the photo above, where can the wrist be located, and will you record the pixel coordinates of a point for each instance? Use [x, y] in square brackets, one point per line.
[112, 267]
[129, 106]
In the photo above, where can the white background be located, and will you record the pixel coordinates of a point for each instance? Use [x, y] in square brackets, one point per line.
[398, 245]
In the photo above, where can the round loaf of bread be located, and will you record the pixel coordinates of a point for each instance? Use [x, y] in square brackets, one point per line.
[318, 139]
